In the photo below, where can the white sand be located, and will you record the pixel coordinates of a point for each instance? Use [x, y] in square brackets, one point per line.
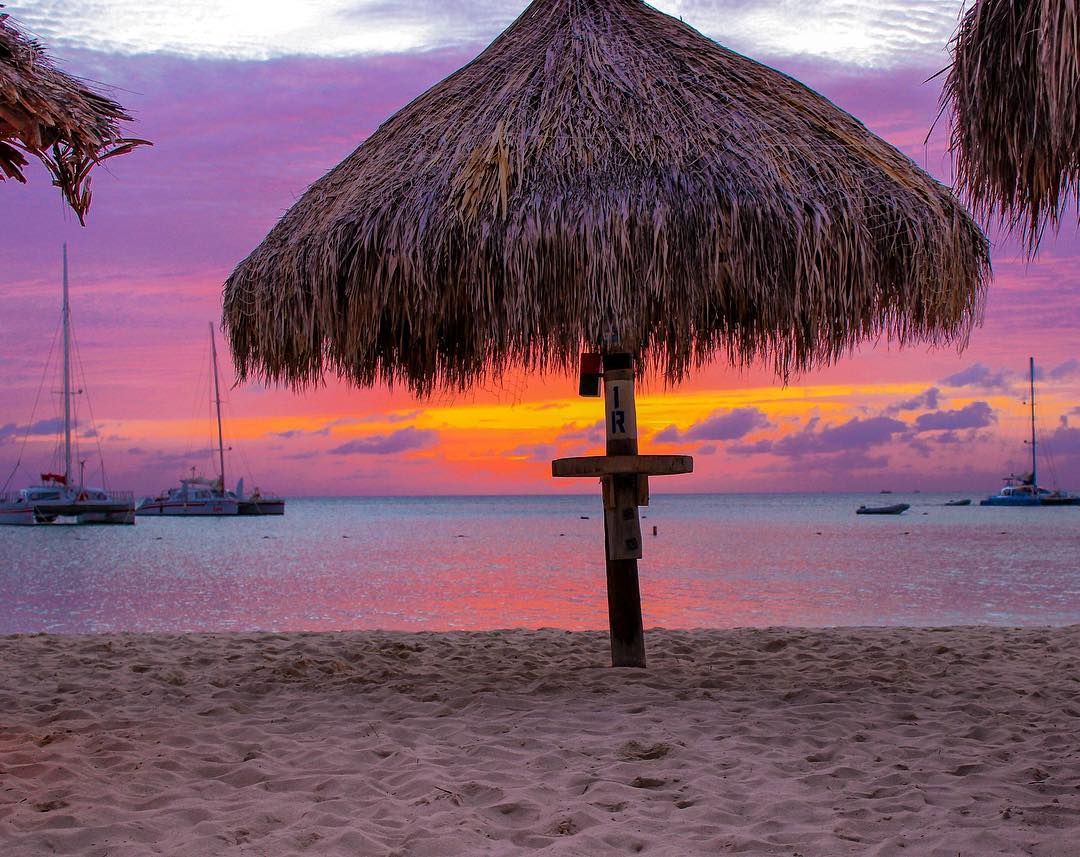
[868, 742]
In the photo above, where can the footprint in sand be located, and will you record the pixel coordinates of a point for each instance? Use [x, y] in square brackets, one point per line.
[632, 751]
[647, 783]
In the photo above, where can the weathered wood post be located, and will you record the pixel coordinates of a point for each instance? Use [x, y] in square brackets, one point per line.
[622, 527]
[624, 475]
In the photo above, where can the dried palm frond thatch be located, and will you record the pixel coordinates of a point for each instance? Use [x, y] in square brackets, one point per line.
[55, 117]
[1014, 92]
[601, 168]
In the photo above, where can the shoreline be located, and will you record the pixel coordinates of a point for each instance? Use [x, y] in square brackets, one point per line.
[816, 742]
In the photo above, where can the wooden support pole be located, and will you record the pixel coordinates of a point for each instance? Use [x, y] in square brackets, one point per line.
[624, 476]
[622, 529]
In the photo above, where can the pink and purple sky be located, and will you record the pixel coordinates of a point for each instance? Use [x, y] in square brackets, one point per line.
[248, 102]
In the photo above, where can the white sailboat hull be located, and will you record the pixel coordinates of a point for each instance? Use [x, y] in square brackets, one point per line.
[26, 511]
[193, 508]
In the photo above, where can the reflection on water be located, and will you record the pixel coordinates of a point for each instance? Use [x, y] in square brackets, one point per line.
[498, 562]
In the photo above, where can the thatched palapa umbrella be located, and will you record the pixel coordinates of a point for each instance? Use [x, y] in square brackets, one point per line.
[55, 117]
[605, 178]
[1014, 92]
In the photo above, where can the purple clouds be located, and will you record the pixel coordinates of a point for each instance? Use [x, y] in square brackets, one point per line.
[534, 451]
[1062, 372]
[591, 434]
[1064, 441]
[854, 435]
[51, 426]
[982, 377]
[402, 440]
[974, 416]
[720, 425]
[293, 433]
[857, 435]
[926, 399]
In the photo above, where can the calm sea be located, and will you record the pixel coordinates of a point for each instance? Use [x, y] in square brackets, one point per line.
[444, 563]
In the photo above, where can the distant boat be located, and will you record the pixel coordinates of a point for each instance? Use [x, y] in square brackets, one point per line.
[257, 503]
[201, 497]
[966, 502]
[196, 496]
[57, 495]
[1025, 490]
[895, 509]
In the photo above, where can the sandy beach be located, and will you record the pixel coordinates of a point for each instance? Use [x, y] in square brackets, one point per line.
[804, 743]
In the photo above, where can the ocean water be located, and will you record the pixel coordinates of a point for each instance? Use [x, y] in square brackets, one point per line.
[442, 563]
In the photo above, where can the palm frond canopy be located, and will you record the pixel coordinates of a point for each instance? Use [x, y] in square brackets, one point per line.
[55, 117]
[603, 168]
[1014, 93]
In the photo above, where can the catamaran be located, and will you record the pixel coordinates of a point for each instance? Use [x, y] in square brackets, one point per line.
[1025, 490]
[199, 496]
[60, 495]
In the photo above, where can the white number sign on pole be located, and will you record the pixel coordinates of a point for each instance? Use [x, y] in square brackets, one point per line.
[621, 410]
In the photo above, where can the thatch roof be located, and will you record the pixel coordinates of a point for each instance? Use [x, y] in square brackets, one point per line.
[53, 116]
[1014, 91]
[602, 165]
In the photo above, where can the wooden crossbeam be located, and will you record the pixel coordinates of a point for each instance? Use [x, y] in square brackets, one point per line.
[613, 465]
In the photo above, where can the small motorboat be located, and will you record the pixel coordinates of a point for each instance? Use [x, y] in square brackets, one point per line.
[895, 509]
[966, 502]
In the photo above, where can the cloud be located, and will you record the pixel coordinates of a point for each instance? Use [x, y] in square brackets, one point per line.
[402, 440]
[1062, 372]
[877, 34]
[394, 417]
[951, 437]
[49, 426]
[402, 417]
[291, 433]
[172, 462]
[533, 451]
[1064, 442]
[980, 376]
[973, 416]
[855, 435]
[324, 430]
[590, 434]
[720, 425]
[928, 398]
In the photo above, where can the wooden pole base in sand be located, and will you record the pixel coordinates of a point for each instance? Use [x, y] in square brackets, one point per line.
[625, 478]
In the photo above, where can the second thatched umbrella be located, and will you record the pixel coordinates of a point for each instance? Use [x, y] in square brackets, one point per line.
[604, 178]
[54, 117]
[1014, 93]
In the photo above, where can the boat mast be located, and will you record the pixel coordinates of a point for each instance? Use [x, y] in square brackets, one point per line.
[217, 401]
[1034, 477]
[66, 316]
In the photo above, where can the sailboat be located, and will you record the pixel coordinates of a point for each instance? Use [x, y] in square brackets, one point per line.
[1025, 490]
[61, 495]
[199, 496]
